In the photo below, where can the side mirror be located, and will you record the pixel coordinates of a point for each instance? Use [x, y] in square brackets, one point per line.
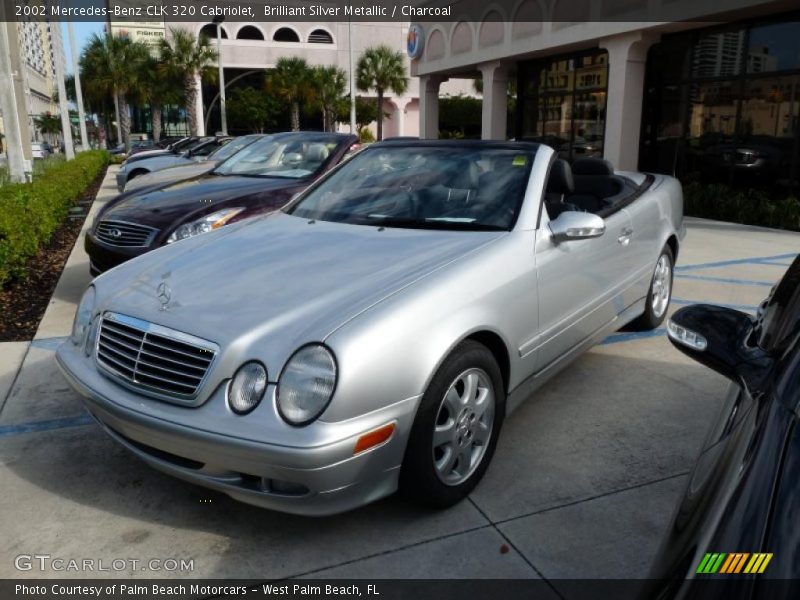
[719, 338]
[573, 225]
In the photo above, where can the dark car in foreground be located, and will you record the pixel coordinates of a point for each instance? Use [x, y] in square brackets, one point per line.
[735, 533]
[260, 178]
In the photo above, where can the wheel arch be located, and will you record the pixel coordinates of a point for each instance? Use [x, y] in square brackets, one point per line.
[672, 242]
[495, 344]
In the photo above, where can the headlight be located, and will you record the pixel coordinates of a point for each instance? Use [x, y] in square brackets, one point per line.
[83, 316]
[204, 224]
[247, 387]
[88, 345]
[306, 384]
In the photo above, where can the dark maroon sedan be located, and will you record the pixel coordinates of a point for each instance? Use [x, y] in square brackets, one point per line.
[258, 179]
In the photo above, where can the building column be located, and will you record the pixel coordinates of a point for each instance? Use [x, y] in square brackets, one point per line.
[429, 106]
[201, 117]
[14, 113]
[627, 55]
[495, 101]
[401, 104]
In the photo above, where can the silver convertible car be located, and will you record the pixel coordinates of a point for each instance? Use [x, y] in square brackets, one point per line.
[374, 333]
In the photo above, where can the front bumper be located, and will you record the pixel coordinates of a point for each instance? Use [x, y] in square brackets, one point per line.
[314, 479]
[122, 179]
[103, 257]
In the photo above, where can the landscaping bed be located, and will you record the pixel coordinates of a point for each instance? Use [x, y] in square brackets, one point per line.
[31, 277]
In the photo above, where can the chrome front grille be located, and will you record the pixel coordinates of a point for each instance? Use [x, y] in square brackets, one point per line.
[127, 235]
[155, 360]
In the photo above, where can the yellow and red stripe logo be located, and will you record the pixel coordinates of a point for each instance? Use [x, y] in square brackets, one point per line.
[732, 563]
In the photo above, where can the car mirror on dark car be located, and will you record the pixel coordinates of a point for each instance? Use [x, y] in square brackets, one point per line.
[721, 339]
[574, 225]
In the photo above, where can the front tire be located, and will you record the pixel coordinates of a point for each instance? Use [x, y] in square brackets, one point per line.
[456, 428]
[660, 293]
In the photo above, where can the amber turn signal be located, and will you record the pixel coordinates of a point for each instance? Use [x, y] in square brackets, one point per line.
[373, 438]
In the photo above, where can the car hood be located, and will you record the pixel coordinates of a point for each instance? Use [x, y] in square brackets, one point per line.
[171, 174]
[137, 156]
[161, 161]
[177, 201]
[279, 277]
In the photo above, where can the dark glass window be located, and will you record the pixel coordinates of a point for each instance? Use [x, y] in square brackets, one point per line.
[284, 34]
[562, 103]
[723, 104]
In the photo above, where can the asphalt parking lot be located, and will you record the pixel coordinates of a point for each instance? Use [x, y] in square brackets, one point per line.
[583, 483]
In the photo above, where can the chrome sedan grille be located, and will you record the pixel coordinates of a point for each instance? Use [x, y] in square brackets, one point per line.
[152, 359]
[124, 234]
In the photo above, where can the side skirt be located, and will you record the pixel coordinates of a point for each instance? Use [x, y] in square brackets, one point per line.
[525, 389]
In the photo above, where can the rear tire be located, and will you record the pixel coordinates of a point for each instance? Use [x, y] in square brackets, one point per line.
[456, 428]
[660, 293]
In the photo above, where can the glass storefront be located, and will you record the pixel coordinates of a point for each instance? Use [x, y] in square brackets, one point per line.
[562, 102]
[722, 104]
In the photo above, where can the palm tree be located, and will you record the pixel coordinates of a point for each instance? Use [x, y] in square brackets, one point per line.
[382, 69]
[330, 84]
[291, 82]
[113, 65]
[184, 57]
[159, 91]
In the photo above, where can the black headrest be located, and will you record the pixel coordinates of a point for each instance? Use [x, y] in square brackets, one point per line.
[560, 179]
[592, 166]
[465, 177]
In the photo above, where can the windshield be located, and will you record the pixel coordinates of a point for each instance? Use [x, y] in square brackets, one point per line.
[432, 187]
[232, 147]
[287, 156]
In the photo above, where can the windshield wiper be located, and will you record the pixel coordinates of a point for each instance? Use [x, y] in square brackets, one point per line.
[432, 223]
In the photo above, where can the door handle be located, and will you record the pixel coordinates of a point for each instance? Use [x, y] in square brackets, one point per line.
[625, 237]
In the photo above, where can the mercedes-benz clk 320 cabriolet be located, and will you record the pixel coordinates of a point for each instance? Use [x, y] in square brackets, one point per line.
[374, 333]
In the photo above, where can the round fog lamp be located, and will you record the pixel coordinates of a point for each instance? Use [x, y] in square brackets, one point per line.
[247, 388]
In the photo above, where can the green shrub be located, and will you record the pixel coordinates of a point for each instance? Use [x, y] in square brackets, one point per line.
[31, 212]
[367, 137]
[750, 207]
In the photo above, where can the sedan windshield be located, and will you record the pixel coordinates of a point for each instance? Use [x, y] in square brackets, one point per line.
[290, 156]
[232, 147]
[471, 187]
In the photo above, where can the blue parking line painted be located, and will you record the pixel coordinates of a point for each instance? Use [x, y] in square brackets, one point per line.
[49, 425]
[729, 280]
[629, 336]
[737, 261]
[49, 343]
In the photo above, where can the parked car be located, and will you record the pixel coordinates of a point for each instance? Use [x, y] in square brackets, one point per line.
[187, 168]
[741, 502]
[260, 178]
[174, 147]
[143, 164]
[373, 333]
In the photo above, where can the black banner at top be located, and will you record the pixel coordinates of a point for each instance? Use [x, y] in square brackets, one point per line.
[171, 11]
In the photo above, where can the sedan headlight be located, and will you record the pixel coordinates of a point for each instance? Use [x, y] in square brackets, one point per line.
[204, 224]
[247, 387]
[306, 384]
[83, 316]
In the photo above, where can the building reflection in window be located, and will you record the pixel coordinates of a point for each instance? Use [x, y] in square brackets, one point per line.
[562, 103]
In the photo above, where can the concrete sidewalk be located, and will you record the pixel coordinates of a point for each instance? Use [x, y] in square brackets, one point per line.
[585, 477]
